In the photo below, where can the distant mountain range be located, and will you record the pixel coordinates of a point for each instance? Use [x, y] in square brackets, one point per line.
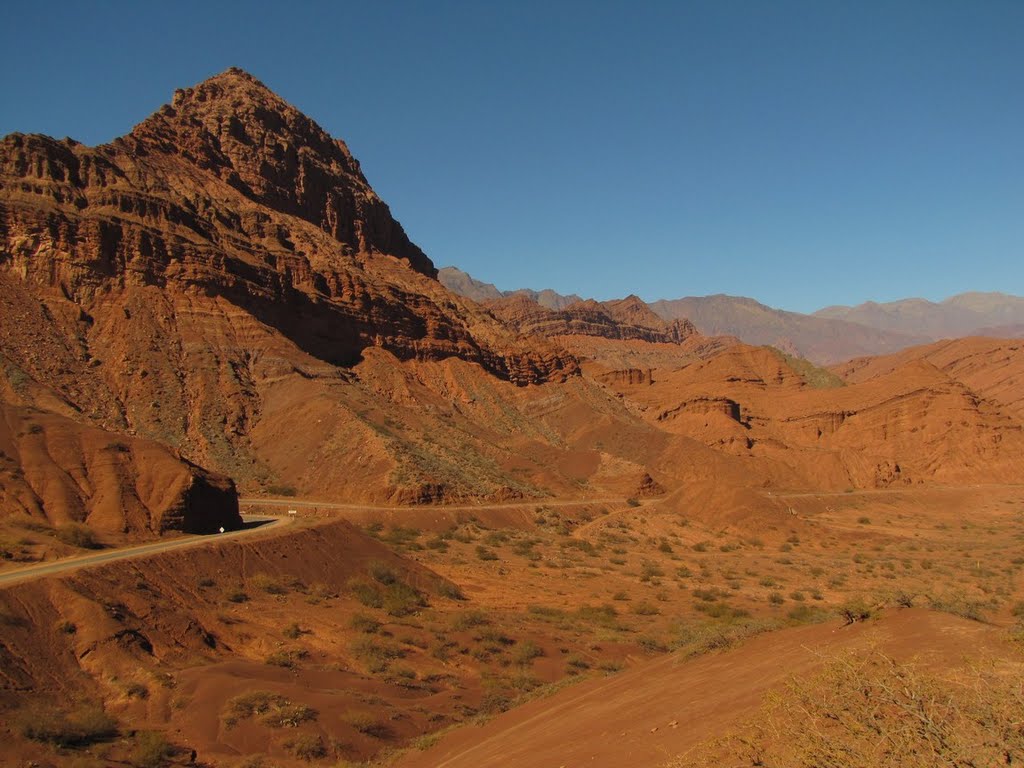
[990, 314]
[462, 283]
[830, 335]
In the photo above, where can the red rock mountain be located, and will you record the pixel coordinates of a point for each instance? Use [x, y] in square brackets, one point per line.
[224, 281]
[457, 281]
[625, 319]
[165, 281]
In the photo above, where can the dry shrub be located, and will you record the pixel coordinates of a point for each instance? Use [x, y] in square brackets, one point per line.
[78, 535]
[867, 710]
[272, 709]
[308, 747]
[85, 725]
[395, 596]
[152, 750]
[368, 724]
[698, 639]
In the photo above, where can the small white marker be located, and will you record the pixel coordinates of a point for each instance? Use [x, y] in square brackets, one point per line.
[222, 529]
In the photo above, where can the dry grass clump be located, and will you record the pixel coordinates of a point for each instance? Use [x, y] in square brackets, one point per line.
[385, 590]
[151, 750]
[271, 708]
[698, 639]
[308, 747]
[86, 724]
[78, 535]
[867, 710]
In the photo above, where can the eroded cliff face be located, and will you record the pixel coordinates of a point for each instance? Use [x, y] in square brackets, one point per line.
[907, 422]
[628, 319]
[163, 283]
[230, 193]
[55, 471]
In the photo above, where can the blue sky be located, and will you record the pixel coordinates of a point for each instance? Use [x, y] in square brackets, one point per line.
[803, 153]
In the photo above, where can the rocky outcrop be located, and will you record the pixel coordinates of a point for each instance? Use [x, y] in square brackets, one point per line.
[236, 128]
[231, 193]
[55, 471]
[628, 319]
[161, 284]
[628, 377]
[648, 487]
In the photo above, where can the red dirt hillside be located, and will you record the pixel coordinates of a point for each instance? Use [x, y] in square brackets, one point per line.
[55, 472]
[992, 368]
[223, 280]
[915, 424]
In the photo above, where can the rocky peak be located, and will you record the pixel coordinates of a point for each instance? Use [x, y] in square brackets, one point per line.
[625, 319]
[232, 125]
[633, 310]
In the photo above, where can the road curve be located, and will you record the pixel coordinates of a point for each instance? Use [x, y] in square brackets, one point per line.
[290, 503]
[123, 553]
[106, 556]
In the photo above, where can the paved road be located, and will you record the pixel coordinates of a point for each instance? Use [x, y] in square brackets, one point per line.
[106, 556]
[310, 504]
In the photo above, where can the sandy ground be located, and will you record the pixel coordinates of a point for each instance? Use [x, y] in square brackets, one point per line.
[666, 707]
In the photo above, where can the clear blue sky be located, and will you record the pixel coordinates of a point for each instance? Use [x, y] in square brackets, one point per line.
[803, 153]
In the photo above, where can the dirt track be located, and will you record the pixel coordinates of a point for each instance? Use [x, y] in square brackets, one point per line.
[658, 710]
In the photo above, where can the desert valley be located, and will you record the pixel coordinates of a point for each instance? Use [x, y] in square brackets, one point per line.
[276, 491]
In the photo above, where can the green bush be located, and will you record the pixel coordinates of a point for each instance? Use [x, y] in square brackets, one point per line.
[236, 596]
[286, 658]
[271, 708]
[272, 585]
[645, 609]
[366, 593]
[470, 619]
[401, 600]
[282, 490]
[367, 724]
[855, 610]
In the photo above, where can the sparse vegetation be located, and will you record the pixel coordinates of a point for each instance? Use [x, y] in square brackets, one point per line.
[308, 747]
[868, 710]
[288, 658]
[152, 750]
[813, 376]
[282, 490]
[80, 727]
[270, 708]
[78, 535]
